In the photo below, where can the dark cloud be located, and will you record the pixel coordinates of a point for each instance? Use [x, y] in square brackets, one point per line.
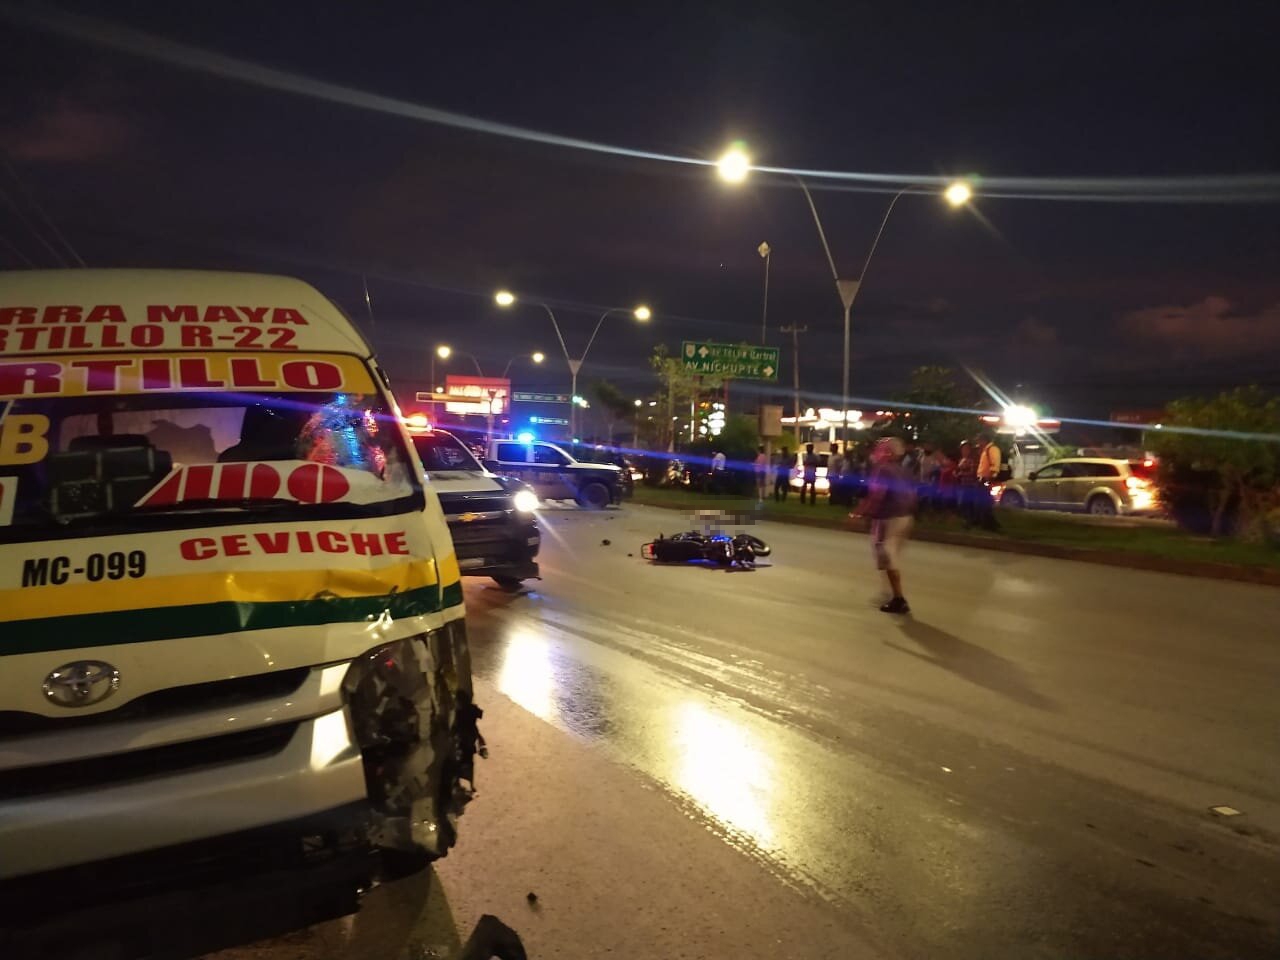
[1211, 328]
[69, 132]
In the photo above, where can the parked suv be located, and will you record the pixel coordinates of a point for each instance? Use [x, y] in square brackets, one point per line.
[1093, 485]
[554, 474]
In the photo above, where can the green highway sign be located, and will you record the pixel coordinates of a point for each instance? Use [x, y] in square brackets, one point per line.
[733, 361]
[519, 397]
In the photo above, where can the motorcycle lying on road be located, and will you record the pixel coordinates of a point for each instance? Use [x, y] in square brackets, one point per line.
[722, 550]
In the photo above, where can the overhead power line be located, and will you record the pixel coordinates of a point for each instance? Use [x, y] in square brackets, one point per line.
[59, 259]
[40, 211]
[12, 248]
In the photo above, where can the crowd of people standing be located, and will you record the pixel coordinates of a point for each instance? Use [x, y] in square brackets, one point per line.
[944, 480]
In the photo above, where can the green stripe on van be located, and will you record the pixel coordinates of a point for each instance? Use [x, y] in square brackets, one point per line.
[205, 619]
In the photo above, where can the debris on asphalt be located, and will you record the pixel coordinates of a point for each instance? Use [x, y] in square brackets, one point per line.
[532, 897]
[493, 938]
[605, 543]
[1225, 811]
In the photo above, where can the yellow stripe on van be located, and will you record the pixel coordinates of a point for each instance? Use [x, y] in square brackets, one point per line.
[248, 586]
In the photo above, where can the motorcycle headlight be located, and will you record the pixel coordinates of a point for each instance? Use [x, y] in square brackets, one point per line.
[526, 501]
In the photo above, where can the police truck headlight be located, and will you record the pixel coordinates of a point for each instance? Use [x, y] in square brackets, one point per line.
[526, 501]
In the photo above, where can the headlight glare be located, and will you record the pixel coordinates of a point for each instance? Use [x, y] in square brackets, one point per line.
[526, 501]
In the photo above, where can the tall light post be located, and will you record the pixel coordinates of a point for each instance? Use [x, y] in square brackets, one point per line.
[766, 253]
[505, 298]
[734, 166]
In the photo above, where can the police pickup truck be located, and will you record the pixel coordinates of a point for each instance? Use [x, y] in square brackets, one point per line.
[555, 475]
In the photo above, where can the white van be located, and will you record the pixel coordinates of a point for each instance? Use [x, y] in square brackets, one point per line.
[231, 620]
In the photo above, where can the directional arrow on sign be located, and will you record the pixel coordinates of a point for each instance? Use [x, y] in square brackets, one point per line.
[703, 352]
[767, 371]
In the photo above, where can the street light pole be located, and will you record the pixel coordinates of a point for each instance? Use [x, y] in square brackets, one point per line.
[795, 332]
[505, 298]
[734, 166]
[766, 252]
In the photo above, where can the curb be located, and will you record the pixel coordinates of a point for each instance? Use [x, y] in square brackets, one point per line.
[1264, 576]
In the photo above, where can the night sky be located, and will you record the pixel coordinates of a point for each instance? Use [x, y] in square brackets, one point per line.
[1091, 307]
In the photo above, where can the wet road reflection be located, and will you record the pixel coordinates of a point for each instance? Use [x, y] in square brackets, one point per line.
[902, 770]
[702, 750]
[724, 768]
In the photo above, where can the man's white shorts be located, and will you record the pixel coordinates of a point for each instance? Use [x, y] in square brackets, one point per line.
[887, 537]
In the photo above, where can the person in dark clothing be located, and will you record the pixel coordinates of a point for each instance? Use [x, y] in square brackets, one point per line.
[782, 475]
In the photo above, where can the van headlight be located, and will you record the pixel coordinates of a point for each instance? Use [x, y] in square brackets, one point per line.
[526, 501]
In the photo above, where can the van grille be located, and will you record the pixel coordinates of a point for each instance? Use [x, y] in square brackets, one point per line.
[95, 772]
[175, 701]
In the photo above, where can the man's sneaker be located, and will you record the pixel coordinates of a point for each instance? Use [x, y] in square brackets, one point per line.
[896, 605]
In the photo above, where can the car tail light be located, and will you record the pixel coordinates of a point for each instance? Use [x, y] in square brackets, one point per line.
[1136, 483]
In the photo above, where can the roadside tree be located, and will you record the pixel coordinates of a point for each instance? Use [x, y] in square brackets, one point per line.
[1232, 479]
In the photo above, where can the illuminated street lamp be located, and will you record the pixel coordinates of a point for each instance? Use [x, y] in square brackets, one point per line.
[734, 164]
[958, 193]
[505, 298]
[536, 357]
[733, 167]
[442, 352]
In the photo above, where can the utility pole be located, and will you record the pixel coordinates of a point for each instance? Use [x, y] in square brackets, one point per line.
[795, 332]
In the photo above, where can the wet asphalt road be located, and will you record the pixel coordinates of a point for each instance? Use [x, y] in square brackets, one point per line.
[1023, 768]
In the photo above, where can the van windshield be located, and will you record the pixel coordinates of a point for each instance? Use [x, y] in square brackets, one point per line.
[115, 462]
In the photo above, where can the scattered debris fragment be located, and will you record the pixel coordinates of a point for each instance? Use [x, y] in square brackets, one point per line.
[532, 897]
[493, 938]
[605, 543]
[1225, 811]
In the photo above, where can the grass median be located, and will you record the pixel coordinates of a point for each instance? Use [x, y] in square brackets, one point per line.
[1112, 536]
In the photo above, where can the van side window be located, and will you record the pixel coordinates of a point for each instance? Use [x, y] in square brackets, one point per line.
[512, 453]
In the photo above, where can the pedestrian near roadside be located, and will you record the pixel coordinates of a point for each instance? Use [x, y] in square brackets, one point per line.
[965, 476]
[987, 471]
[810, 482]
[782, 475]
[835, 476]
[929, 469]
[890, 506]
[762, 475]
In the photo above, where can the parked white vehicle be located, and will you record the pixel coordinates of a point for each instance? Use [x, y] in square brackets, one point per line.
[1094, 485]
[231, 619]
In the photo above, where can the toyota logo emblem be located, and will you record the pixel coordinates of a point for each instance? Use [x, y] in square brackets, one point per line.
[82, 683]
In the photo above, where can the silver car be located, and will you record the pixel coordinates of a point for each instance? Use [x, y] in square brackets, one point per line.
[1091, 484]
